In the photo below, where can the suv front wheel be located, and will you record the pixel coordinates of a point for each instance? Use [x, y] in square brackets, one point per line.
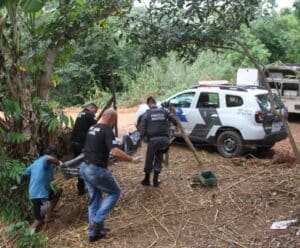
[230, 144]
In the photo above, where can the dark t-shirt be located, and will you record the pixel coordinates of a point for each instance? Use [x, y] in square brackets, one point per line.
[99, 141]
[84, 121]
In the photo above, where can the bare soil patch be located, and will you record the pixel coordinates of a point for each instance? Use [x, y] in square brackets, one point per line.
[251, 194]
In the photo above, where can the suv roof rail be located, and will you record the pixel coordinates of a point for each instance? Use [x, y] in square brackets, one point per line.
[221, 86]
[259, 87]
[209, 85]
[230, 87]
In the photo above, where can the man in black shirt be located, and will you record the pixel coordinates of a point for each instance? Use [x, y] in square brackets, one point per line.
[155, 127]
[100, 141]
[85, 119]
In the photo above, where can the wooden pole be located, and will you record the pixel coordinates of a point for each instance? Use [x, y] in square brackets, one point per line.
[184, 135]
[108, 105]
[113, 91]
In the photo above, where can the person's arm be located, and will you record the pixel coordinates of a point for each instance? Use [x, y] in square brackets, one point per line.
[26, 175]
[118, 153]
[171, 118]
[27, 171]
[51, 160]
[143, 127]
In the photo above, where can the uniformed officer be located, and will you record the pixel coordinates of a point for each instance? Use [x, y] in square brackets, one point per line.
[155, 128]
[85, 119]
[100, 141]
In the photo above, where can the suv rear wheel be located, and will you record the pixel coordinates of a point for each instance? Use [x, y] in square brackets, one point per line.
[230, 144]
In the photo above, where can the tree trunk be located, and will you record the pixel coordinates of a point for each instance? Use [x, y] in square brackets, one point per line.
[44, 83]
[29, 121]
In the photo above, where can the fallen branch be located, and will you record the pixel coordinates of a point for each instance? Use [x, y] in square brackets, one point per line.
[229, 240]
[163, 226]
[155, 241]
[180, 231]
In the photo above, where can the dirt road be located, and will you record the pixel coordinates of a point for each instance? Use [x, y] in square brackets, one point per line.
[126, 118]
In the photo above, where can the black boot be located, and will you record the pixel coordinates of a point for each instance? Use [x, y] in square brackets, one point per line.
[156, 180]
[100, 235]
[146, 181]
[80, 187]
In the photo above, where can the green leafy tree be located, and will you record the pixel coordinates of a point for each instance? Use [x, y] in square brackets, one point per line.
[98, 55]
[272, 32]
[255, 45]
[33, 35]
[189, 27]
[296, 5]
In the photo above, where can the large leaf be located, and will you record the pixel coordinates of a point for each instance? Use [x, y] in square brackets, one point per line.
[32, 6]
[12, 108]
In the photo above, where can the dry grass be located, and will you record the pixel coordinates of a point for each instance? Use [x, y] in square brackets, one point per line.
[251, 194]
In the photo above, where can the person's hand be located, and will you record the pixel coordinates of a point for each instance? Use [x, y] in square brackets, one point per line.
[13, 188]
[60, 163]
[137, 159]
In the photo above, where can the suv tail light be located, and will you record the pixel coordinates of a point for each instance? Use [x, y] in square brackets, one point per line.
[259, 117]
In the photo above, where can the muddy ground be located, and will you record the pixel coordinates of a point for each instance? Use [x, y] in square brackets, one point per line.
[253, 191]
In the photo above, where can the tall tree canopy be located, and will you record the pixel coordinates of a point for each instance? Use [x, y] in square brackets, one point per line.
[191, 26]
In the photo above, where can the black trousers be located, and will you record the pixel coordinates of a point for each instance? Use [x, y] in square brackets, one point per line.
[40, 205]
[157, 146]
[77, 150]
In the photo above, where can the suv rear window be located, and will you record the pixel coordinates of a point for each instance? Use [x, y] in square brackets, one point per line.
[233, 101]
[265, 103]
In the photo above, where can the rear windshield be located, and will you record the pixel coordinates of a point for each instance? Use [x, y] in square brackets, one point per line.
[265, 103]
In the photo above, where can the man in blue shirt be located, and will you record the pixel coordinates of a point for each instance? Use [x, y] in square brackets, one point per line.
[41, 173]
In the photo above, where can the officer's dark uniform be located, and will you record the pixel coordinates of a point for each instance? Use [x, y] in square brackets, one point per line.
[84, 121]
[155, 127]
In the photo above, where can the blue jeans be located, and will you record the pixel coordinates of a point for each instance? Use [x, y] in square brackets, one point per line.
[99, 180]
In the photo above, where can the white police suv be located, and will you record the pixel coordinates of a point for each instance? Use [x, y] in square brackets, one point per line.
[233, 118]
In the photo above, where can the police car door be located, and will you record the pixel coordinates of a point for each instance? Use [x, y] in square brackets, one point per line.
[209, 121]
[184, 104]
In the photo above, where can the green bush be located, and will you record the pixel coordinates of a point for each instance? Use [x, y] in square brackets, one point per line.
[162, 78]
[14, 202]
[25, 237]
